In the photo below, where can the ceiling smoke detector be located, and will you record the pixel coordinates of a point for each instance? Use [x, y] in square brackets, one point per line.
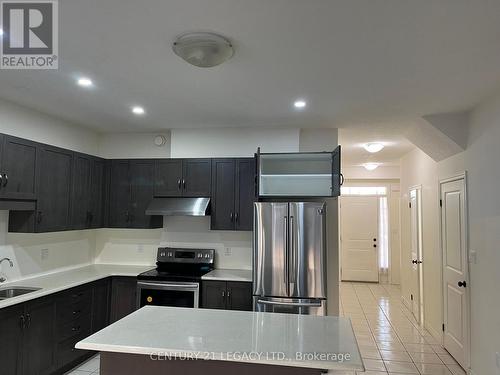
[204, 50]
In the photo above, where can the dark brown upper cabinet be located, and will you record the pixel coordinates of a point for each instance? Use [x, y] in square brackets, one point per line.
[233, 193]
[54, 190]
[18, 158]
[183, 178]
[87, 191]
[130, 192]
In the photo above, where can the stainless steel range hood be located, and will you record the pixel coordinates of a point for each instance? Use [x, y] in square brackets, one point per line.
[179, 207]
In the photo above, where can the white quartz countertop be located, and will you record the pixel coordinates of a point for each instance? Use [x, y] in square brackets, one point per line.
[228, 275]
[239, 336]
[58, 281]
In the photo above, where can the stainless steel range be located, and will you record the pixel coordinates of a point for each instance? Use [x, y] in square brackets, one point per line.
[176, 279]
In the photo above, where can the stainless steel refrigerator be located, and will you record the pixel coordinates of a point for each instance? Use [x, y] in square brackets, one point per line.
[289, 261]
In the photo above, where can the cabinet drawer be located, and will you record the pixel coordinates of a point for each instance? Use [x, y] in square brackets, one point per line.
[70, 312]
[74, 295]
[73, 328]
[66, 352]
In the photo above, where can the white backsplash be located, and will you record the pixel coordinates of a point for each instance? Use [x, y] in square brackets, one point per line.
[139, 246]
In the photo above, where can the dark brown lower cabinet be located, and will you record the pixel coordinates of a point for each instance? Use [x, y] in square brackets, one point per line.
[123, 297]
[228, 295]
[11, 339]
[38, 337]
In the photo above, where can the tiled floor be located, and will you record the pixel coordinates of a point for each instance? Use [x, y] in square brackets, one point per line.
[90, 367]
[390, 340]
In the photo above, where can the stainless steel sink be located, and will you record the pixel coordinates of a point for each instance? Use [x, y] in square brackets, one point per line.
[15, 291]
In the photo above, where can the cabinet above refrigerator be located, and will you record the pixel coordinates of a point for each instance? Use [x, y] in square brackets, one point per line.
[301, 174]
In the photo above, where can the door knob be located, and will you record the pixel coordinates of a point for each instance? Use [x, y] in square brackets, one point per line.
[462, 284]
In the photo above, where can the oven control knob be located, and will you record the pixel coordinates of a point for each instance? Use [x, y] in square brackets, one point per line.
[169, 254]
[206, 255]
[200, 255]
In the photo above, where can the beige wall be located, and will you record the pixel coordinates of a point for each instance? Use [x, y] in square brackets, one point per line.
[480, 160]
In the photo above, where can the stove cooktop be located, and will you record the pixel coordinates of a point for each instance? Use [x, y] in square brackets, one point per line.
[159, 275]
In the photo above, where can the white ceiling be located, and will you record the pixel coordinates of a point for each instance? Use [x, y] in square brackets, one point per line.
[352, 60]
[354, 138]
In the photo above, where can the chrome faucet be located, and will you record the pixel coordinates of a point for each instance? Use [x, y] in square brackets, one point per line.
[2, 279]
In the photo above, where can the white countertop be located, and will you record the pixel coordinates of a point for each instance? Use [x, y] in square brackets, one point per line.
[228, 275]
[58, 281]
[225, 335]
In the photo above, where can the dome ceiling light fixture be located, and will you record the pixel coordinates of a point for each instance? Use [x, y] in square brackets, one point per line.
[204, 50]
[371, 166]
[373, 147]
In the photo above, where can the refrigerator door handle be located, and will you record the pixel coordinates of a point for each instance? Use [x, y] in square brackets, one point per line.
[285, 261]
[299, 304]
[293, 255]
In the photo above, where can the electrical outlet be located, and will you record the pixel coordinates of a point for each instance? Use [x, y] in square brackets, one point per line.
[44, 254]
[228, 251]
[140, 248]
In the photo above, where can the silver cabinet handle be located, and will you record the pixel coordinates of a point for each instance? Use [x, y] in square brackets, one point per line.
[169, 285]
[298, 304]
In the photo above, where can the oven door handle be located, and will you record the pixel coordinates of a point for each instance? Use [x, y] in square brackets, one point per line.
[169, 285]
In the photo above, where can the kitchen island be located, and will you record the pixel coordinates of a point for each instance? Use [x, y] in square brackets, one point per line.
[172, 340]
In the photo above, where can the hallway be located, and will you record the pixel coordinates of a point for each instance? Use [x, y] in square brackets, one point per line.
[390, 340]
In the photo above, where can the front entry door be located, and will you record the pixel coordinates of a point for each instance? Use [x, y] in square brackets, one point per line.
[359, 228]
[455, 270]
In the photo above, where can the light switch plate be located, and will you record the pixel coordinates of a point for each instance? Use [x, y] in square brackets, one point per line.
[44, 254]
[472, 256]
[227, 251]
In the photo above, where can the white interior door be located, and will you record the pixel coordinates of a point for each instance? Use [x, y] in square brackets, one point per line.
[455, 270]
[416, 297]
[359, 232]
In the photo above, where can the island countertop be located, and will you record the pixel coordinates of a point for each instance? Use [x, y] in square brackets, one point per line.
[240, 336]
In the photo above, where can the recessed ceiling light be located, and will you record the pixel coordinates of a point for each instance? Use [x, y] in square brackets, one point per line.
[373, 147]
[138, 110]
[85, 82]
[370, 166]
[299, 104]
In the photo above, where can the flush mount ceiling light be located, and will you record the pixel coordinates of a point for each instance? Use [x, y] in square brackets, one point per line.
[1, 32]
[373, 147]
[370, 166]
[204, 50]
[85, 82]
[138, 110]
[299, 104]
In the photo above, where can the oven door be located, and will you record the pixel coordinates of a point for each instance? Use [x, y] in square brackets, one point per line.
[167, 294]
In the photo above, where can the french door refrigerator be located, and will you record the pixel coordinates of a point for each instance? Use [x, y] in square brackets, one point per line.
[289, 260]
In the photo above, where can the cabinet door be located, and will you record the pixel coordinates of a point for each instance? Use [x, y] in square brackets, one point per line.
[123, 297]
[168, 178]
[214, 295]
[223, 190]
[18, 168]
[97, 190]
[54, 190]
[239, 296]
[196, 177]
[119, 194]
[142, 186]
[100, 305]
[40, 337]
[80, 202]
[245, 194]
[11, 342]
